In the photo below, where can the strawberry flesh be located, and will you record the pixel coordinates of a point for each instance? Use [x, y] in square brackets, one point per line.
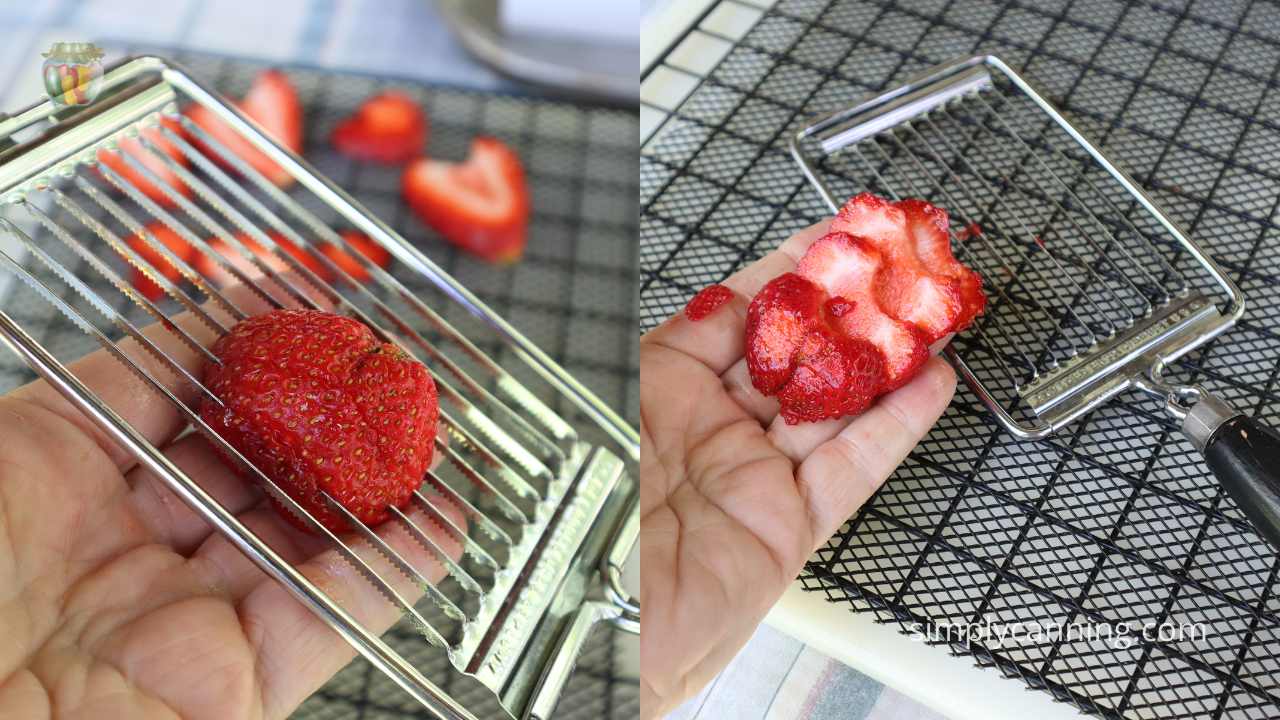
[272, 103]
[856, 318]
[797, 351]
[171, 240]
[362, 244]
[387, 128]
[135, 150]
[481, 205]
[847, 267]
[316, 403]
[708, 300]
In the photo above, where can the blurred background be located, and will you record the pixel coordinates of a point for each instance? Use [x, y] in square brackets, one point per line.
[551, 81]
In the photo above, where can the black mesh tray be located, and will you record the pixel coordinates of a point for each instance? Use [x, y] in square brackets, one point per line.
[1115, 520]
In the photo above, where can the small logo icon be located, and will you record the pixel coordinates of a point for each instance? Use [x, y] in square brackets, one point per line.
[73, 73]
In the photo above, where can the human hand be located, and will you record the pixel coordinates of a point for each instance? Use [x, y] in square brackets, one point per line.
[734, 500]
[118, 601]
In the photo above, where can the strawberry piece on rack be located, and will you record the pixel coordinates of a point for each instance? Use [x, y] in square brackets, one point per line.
[132, 147]
[388, 128]
[481, 205]
[220, 277]
[362, 244]
[171, 240]
[272, 103]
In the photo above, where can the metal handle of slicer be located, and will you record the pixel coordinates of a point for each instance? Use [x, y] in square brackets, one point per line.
[618, 608]
[1243, 453]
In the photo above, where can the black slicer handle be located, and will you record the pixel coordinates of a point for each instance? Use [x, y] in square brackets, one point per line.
[1244, 455]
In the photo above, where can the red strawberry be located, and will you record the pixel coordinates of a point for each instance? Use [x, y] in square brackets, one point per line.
[909, 289]
[222, 278]
[708, 300]
[170, 239]
[134, 149]
[316, 403]
[924, 283]
[363, 245]
[273, 104]
[847, 267]
[387, 128]
[927, 225]
[481, 205]
[797, 350]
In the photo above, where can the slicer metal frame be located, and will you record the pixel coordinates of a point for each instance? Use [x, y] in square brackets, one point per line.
[1132, 358]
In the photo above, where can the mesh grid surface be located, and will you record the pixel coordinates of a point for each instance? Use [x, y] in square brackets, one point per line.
[572, 294]
[1114, 519]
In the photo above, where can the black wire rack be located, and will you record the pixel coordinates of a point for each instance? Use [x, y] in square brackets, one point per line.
[573, 294]
[1114, 522]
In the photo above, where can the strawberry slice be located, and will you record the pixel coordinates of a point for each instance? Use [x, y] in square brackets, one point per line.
[847, 267]
[387, 128]
[134, 149]
[273, 104]
[222, 278]
[911, 288]
[927, 225]
[171, 240]
[481, 205]
[797, 350]
[362, 244]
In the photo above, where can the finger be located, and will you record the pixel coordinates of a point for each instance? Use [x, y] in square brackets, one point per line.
[133, 398]
[716, 340]
[798, 441]
[172, 521]
[842, 473]
[298, 652]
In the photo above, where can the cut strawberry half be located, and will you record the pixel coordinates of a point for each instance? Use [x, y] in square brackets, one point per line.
[481, 205]
[797, 350]
[135, 150]
[927, 225]
[388, 128]
[220, 277]
[847, 267]
[916, 285]
[171, 240]
[273, 104]
[362, 244]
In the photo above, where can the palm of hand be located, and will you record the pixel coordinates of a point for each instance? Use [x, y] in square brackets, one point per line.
[733, 500]
[109, 619]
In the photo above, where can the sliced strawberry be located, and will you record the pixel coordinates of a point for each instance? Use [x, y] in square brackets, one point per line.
[273, 104]
[222, 278]
[481, 205]
[927, 226]
[362, 244]
[134, 149]
[909, 288]
[797, 351]
[847, 267]
[779, 317]
[388, 128]
[835, 375]
[171, 240]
